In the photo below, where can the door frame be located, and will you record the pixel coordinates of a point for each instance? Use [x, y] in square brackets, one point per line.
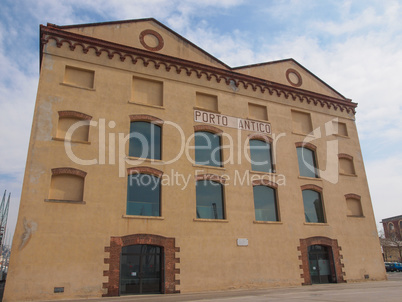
[169, 272]
[335, 260]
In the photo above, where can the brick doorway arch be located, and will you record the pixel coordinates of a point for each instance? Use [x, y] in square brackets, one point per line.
[335, 260]
[169, 271]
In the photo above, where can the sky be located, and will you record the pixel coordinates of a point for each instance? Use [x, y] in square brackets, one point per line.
[354, 46]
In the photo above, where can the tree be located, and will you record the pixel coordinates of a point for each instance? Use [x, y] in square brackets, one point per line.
[391, 247]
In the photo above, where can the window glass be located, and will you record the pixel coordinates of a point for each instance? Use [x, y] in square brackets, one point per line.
[307, 166]
[143, 195]
[313, 208]
[207, 149]
[209, 195]
[145, 140]
[260, 154]
[265, 204]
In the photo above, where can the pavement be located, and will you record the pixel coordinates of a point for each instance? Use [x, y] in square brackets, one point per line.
[370, 291]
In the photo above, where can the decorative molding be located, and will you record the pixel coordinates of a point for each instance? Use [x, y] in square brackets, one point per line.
[74, 114]
[261, 137]
[208, 128]
[353, 196]
[306, 145]
[146, 32]
[311, 187]
[229, 77]
[144, 170]
[297, 74]
[346, 156]
[265, 182]
[212, 177]
[145, 118]
[68, 170]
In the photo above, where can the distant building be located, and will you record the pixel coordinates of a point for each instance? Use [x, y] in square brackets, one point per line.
[391, 243]
[153, 167]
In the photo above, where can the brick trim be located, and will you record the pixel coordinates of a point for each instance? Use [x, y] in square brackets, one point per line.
[74, 114]
[260, 137]
[297, 74]
[70, 171]
[145, 118]
[208, 128]
[335, 261]
[212, 177]
[156, 35]
[353, 196]
[169, 271]
[311, 187]
[346, 156]
[145, 170]
[265, 182]
[306, 145]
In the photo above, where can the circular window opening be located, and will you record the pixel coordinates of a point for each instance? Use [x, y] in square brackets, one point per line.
[151, 40]
[294, 77]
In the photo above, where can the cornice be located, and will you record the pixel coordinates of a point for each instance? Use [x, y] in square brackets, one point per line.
[149, 59]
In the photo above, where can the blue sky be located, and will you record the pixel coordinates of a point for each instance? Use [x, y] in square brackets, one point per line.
[354, 46]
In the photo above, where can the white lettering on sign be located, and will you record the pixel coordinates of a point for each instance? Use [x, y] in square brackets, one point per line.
[231, 122]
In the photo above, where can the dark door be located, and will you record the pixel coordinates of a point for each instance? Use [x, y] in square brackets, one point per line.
[320, 264]
[140, 269]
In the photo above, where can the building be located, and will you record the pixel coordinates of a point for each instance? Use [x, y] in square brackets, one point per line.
[153, 167]
[391, 241]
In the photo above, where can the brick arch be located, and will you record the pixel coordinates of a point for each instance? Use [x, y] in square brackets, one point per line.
[208, 128]
[168, 273]
[335, 260]
[311, 187]
[145, 170]
[260, 137]
[69, 171]
[146, 118]
[74, 114]
[306, 145]
[212, 177]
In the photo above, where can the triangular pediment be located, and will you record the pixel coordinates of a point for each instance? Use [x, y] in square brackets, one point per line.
[290, 73]
[146, 34]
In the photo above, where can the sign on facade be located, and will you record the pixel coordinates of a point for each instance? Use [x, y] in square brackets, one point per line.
[231, 122]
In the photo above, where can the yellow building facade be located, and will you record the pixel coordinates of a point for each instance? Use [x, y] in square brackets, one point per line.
[153, 167]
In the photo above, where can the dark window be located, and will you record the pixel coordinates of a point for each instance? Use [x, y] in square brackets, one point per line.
[209, 195]
[313, 208]
[145, 140]
[260, 155]
[143, 195]
[307, 165]
[207, 149]
[265, 204]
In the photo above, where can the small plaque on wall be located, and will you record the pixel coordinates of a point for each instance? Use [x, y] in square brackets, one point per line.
[242, 242]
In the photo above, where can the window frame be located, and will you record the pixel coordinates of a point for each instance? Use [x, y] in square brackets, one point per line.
[274, 187]
[144, 171]
[313, 150]
[216, 179]
[318, 190]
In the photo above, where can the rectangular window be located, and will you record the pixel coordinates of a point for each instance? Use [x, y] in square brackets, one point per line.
[301, 122]
[143, 195]
[307, 164]
[145, 140]
[209, 196]
[313, 208]
[207, 149]
[206, 101]
[265, 204]
[257, 112]
[147, 92]
[79, 77]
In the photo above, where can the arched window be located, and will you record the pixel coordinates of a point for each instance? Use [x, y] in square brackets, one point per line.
[354, 206]
[207, 147]
[209, 198]
[346, 166]
[261, 156]
[307, 161]
[313, 206]
[145, 137]
[265, 203]
[73, 126]
[144, 192]
[391, 227]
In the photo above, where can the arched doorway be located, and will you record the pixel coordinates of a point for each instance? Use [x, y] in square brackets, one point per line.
[320, 264]
[140, 269]
[320, 260]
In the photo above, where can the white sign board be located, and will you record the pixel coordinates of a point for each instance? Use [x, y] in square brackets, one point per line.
[242, 242]
[231, 122]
